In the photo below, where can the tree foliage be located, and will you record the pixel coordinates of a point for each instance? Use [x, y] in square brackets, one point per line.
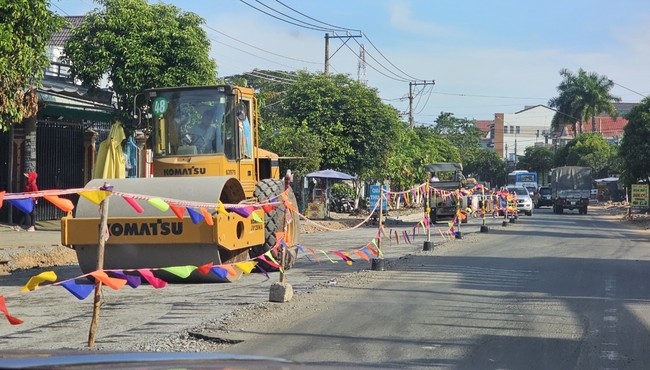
[487, 166]
[25, 29]
[461, 132]
[635, 147]
[582, 97]
[588, 150]
[139, 46]
[356, 129]
[536, 159]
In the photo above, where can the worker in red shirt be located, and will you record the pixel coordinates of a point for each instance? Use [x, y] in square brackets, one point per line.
[28, 220]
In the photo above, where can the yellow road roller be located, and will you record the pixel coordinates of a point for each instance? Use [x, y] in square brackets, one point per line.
[205, 149]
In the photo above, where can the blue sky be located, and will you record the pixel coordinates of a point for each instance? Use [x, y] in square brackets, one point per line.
[486, 57]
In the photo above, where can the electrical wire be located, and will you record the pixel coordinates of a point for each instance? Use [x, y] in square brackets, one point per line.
[257, 56]
[284, 20]
[292, 18]
[391, 63]
[318, 28]
[375, 69]
[260, 49]
[314, 19]
[427, 101]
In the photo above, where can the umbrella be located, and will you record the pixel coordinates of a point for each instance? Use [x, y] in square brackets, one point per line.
[110, 158]
[331, 174]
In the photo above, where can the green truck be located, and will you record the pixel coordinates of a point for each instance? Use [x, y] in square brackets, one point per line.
[571, 188]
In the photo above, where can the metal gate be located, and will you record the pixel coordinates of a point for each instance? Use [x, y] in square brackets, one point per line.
[59, 162]
[5, 152]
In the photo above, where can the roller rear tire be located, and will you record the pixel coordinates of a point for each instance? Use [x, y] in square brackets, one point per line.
[274, 222]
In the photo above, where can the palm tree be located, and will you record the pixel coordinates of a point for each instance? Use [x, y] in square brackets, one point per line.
[582, 97]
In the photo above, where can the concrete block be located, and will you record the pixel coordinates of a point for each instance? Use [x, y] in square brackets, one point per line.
[280, 292]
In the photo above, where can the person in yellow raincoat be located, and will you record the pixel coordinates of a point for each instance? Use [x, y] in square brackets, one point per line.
[110, 162]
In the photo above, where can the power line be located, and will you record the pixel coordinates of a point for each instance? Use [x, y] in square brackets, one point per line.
[376, 70]
[265, 75]
[260, 49]
[248, 53]
[316, 20]
[486, 96]
[628, 89]
[318, 28]
[426, 102]
[284, 20]
[290, 17]
[391, 63]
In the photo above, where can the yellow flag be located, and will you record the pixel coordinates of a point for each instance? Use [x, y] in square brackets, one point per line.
[34, 281]
[246, 267]
[95, 196]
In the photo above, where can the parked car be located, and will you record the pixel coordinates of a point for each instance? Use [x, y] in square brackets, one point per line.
[545, 197]
[524, 201]
[534, 195]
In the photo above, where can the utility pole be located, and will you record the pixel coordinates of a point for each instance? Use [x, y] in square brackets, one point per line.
[327, 47]
[411, 84]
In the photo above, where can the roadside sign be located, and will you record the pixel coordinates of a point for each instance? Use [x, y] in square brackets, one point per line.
[374, 197]
[639, 195]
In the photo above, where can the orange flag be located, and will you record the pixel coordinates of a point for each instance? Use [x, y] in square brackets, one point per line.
[113, 283]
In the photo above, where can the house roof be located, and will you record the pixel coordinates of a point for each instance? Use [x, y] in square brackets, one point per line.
[484, 125]
[606, 125]
[60, 37]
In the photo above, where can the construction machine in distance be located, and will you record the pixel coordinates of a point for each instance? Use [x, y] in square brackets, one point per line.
[205, 149]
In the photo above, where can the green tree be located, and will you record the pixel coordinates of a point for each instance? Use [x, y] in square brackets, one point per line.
[462, 133]
[635, 147]
[139, 46]
[582, 97]
[415, 149]
[25, 29]
[356, 129]
[536, 159]
[588, 150]
[487, 165]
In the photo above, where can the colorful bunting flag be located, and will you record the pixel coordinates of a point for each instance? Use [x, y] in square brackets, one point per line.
[95, 196]
[221, 273]
[24, 205]
[63, 204]
[180, 271]
[195, 216]
[113, 283]
[133, 281]
[205, 269]
[207, 217]
[361, 254]
[154, 281]
[178, 211]
[158, 203]
[246, 267]
[3, 308]
[133, 204]
[81, 291]
[34, 281]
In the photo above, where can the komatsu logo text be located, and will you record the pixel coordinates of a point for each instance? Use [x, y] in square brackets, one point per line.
[184, 171]
[143, 229]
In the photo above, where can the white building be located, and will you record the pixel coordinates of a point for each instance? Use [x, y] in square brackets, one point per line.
[528, 127]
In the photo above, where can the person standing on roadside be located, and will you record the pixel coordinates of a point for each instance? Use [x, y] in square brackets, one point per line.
[29, 220]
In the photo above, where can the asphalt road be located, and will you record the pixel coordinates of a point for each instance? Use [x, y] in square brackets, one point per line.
[548, 292]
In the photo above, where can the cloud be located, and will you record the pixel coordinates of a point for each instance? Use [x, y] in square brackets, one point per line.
[403, 19]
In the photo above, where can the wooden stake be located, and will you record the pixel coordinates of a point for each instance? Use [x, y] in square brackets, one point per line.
[103, 229]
